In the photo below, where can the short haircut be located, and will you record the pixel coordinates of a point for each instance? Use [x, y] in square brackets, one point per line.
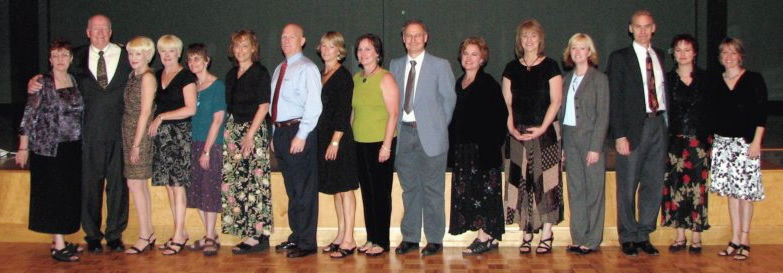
[335, 39]
[414, 22]
[376, 44]
[142, 44]
[61, 43]
[98, 15]
[580, 38]
[530, 25]
[478, 42]
[683, 37]
[169, 41]
[198, 49]
[641, 12]
[242, 34]
[733, 43]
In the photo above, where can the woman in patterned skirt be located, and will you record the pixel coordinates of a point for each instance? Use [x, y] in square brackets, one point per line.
[137, 145]
[476, 133]
[206, 158]
[684, 203]
[175, 104]
[532, 90]
[738, 112]
[246, 191]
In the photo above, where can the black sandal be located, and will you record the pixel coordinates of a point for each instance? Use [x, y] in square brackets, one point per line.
[72, 247]
[526, 244]
[734, 247]
[546, 247]
[210, 243]
[166, 245]
[742, 253]
[678, 245]
[343, 253]
[695, 247]
[64, 255]
[478, 247]
[243, 248]
[175, 251]
[330, 248]
[150, 245]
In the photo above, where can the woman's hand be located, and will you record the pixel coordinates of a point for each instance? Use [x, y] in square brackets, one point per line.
[247, 145]
[754, 151]
[134, 155]
[383, 154]
[592, 158]
[331, 152]
[513, 131]
[532, 133]
[21, 158]
[154, 125]
[203, 160]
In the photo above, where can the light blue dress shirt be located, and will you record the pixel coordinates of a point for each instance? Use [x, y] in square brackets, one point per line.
[570, 111]
[300, 93]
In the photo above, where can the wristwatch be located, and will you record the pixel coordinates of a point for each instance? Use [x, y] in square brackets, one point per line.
[335, 143]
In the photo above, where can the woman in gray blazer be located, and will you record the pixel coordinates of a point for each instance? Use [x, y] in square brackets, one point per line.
[585, 119]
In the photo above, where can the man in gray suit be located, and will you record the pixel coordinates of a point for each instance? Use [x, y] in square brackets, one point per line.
[427, 104]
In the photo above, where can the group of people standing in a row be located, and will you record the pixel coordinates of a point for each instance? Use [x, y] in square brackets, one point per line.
[208, 142]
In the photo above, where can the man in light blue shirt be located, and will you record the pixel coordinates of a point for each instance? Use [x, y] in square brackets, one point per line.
[296, 106]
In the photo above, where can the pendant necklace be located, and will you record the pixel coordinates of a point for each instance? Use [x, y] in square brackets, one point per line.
[364, 77]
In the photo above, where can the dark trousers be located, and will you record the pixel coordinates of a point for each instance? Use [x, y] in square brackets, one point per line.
[103, 162]
[300, 174]
[375, 180]
[642, 171]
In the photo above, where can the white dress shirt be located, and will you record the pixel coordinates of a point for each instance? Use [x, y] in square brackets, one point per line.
[411, 117]
[641, 56]
[111, 55]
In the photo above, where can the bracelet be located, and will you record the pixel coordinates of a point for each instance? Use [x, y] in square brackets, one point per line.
[21, 150]
[136, 146]
[386, 149]
[335, 143]
[206, 153]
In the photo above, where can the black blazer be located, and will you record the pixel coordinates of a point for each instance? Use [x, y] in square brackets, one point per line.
[103, 107]
[626, 100]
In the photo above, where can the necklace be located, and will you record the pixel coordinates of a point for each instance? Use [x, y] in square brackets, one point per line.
[364, 76]
[529, 66]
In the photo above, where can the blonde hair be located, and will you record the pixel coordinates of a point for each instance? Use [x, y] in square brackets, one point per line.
[335, 39]
[142, 44]
[580, 38]
[529, 25]
[733, 43]
[170, 41]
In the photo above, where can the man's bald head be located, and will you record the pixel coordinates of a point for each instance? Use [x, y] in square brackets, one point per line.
[292, 39]
[99, 31]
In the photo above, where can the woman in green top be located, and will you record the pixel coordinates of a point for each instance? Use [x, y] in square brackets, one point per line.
[375, 110]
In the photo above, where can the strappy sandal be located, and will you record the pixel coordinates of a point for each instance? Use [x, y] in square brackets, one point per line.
[175, 251]
[73, 247]
[547, 247]
[244, 248]
[478, 247]
[64, 255]
[742, 253]
[343, 253]
[198, 244]
[210, 247]
[525, 247]
[695, 247]
[150, 245]
[166, 245]
[734, 247]
[375, 254]
[678, 245]
[330, 248]
[366, 246]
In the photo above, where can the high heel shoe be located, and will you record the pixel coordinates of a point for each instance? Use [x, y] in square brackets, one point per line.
[343, 253]
[734, 247]
[545, 246]
[150, 245]
[179, 246]
[678, 245]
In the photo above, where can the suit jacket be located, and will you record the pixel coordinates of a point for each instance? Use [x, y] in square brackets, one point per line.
[591, 104]
[103, 108]
[433, 103]
[627, 99]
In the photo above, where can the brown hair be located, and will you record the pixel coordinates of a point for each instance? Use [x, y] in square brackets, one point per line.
[238, 36]
[60, 43]
[530, 25]
[477, 41]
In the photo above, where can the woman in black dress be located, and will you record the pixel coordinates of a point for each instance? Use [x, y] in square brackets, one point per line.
[684, 203]
[476, 132]
[532, 90]
[51, 129]
[336, 149]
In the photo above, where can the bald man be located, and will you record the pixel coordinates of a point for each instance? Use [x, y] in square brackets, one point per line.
[296, 106]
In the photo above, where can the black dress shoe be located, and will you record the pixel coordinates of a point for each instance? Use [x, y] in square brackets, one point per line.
[94, 246]
[285, 246]
[298, 253]
[431, 249]
[629, 249]
[116, 245]
[647, 248]
[572, 249]
[406, 247]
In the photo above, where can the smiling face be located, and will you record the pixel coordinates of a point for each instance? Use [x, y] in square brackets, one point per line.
[471, 58]
[530, 41]
[243, 50]
[60, 59]
[580, 52]
[169, 56]
[366, 54]
[329, 52]
[197, 63]
[730, 58]
[138, 58]
[684, 53]
[415, 38]
[642, 26]
[292, 40]
[99, 31]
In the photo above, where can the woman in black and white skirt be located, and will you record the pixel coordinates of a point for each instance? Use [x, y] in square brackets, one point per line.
[739, 117]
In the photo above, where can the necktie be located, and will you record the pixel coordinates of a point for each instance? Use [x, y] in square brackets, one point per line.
[409, 88]
[277, 90]
[652, 94]
[103, 80]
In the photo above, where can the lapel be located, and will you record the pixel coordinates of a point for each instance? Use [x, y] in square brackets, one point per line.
[633, 62]
[424, 73]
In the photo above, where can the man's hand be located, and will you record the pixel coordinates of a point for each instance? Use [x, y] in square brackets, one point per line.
[297, 145]
[623, 146]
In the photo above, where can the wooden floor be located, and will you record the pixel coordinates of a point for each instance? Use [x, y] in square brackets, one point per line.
[33, 257]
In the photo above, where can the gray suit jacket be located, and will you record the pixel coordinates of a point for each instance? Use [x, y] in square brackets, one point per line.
[433, 102]
[592, 107]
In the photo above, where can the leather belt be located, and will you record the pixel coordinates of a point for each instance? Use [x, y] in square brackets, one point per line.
[287, 123]
[655, 114]
[409, 123]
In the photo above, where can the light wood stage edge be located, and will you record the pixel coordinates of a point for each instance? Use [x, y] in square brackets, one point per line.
[767, 227]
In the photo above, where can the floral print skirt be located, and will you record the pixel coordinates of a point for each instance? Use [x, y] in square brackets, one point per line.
[171, 155]
[246, 193]
[476, 194]
[684, 203]
[734, 174]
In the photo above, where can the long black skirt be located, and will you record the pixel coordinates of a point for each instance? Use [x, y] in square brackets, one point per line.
[56, 190]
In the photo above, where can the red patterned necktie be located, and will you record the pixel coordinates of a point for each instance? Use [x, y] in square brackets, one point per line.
[277, 90]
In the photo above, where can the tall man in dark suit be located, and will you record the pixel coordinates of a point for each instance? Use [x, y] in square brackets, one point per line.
[427, 104]
[101, 70]
[638, 126]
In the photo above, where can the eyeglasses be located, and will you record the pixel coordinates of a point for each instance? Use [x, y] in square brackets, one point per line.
[413, 36]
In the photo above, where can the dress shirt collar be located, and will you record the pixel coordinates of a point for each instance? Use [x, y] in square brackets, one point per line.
[418, 59]
[109, 47]
[639, 49]
[294, 58]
